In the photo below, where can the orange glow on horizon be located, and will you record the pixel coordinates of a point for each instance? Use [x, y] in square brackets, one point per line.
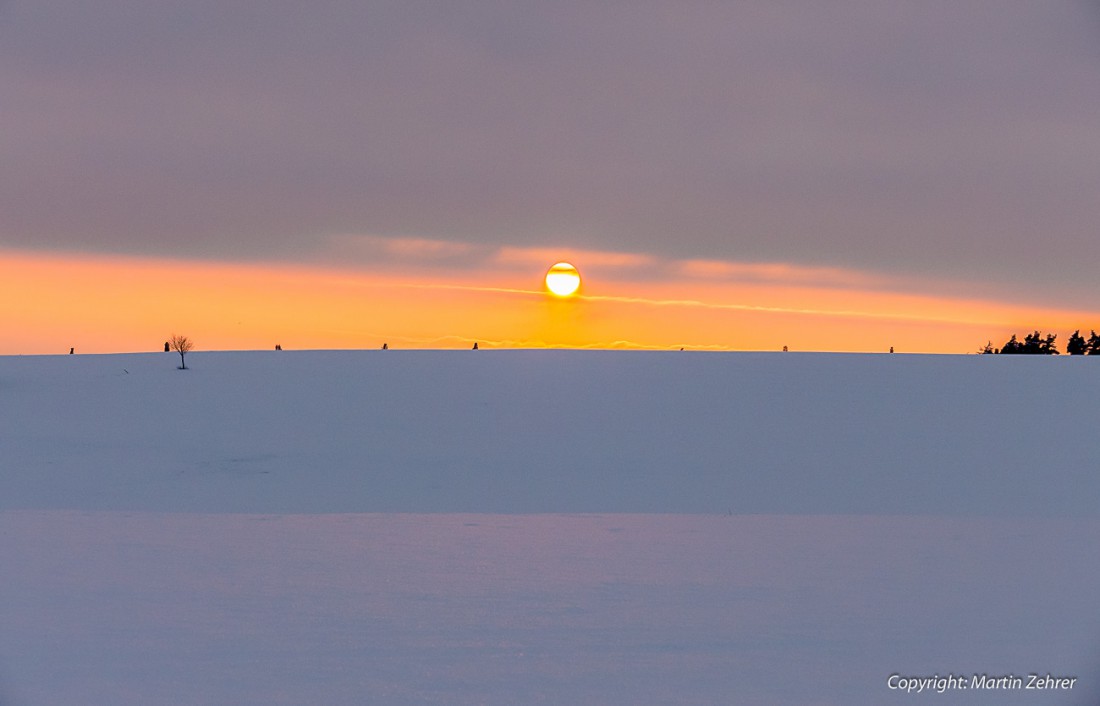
[49, 303]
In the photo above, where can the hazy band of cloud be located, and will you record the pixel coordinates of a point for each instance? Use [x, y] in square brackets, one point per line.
[717, 306]
[425, 256]
[935, 302]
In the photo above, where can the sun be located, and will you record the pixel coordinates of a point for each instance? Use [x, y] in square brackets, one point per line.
[563, 280]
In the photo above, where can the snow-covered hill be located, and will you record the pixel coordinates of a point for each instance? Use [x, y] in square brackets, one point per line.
[719, 528]
[551, 431]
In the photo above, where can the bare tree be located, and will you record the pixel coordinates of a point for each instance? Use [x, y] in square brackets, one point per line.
[181, 345]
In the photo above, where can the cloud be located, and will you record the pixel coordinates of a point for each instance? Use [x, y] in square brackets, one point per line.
[596, 259]
[428, 253]
[379, 250]
[778, 272]
[909, 139]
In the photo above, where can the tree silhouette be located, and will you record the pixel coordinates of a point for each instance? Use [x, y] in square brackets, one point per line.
[1077, 345]
[1034, 343]
[1094, 344]
[181, 345]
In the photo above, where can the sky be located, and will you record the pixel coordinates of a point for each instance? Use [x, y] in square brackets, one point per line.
[850, 175]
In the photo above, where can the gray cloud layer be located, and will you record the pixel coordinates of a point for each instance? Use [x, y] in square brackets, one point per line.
[954, 138]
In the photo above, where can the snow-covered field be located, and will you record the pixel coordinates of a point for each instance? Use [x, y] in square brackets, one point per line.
[545, 526]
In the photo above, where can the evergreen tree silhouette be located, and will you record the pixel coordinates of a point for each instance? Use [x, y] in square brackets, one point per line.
[1094, 344]
[1077, 345]
[1034, 343]
[1012, 346]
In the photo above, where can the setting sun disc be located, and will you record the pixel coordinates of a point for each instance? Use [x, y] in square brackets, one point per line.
[563, 280]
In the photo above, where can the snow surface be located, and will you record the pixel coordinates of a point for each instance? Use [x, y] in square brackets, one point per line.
[544, 526]
[551, 431]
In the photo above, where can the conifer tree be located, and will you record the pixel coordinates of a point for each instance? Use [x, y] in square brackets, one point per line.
[1094, 344]
[1034, 343]
[1077, 345]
